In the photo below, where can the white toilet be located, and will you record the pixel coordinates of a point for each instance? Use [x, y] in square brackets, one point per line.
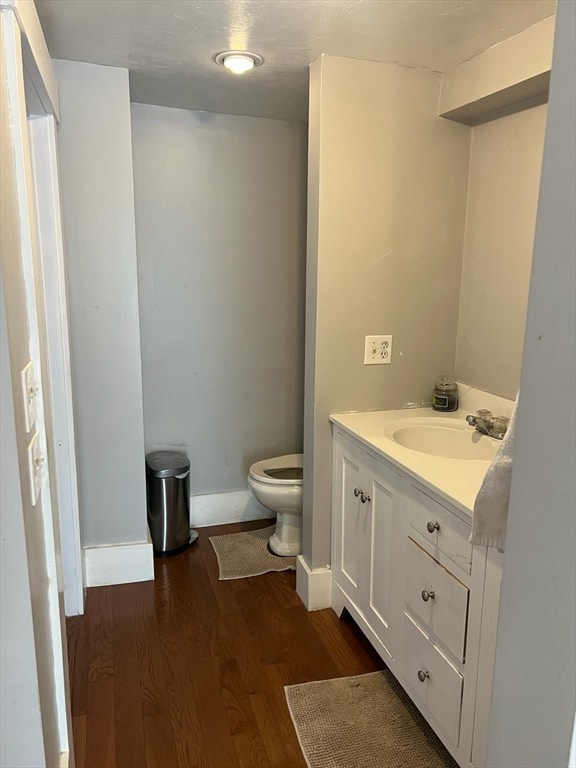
[277, 484]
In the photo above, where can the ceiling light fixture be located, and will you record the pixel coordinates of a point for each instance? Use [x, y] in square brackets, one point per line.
[238, 61]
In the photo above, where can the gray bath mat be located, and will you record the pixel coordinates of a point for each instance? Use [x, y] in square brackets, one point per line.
[246, 554]
[365, 721]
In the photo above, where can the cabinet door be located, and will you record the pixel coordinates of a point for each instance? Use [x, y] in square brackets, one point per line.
[384, 542]
[349, 521]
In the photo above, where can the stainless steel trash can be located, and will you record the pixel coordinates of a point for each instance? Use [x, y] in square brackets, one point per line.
[168, 492]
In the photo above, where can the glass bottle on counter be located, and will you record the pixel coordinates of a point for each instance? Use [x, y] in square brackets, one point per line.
[445, 394]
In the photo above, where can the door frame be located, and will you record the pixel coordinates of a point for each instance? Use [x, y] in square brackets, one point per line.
[44, 151]
[31, 88]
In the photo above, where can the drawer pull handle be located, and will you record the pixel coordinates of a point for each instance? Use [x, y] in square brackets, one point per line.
[431, 527]
[428, 595]
[422, 676]
[357, 492]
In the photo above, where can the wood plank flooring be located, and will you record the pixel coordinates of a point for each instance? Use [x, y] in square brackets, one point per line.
[188, 671]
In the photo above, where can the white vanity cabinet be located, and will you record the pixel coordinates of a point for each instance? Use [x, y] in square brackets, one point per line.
[403, 567]
[366, 535]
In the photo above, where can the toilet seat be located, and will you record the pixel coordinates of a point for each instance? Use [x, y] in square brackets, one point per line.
[263, 471]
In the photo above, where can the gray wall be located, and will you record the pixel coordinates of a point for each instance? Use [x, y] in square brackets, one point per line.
[21, 728]
[21, 741]
[220, 219]
[30, 589]
[387, 196]
[100, 251]
[504, 180]
[534, 691]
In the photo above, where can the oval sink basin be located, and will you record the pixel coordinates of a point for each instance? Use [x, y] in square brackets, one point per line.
[451, 441]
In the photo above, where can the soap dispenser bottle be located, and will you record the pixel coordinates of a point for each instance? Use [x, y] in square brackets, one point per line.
[445, 394]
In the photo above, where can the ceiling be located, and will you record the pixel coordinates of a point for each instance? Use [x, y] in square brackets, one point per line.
[168, 45]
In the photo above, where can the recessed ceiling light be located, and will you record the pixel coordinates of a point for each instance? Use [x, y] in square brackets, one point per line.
[238, 61]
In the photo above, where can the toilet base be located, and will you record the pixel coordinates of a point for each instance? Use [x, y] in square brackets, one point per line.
[287, 539]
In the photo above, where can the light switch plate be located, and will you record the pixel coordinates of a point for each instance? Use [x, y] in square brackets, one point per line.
[35, 467]
[29, 395]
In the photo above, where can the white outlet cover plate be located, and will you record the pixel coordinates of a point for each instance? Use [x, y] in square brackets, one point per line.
[34, 467]
[378, 350]
[28, 395]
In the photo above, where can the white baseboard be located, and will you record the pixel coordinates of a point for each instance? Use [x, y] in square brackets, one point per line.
[314, 586]
[118, 564]
[222, 508]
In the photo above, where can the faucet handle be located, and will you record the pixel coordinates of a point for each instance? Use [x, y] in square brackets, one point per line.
[501, 424]
[485, 415]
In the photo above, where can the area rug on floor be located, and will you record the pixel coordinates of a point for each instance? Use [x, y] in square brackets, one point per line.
[365, 721]
[246, 554]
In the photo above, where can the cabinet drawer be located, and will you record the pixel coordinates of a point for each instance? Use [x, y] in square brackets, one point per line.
[435, 683]
[437, 598]
[441, 528]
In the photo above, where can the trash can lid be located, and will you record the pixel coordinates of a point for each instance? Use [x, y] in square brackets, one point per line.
[167, 463]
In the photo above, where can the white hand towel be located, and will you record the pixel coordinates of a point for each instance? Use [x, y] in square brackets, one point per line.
[491, 505]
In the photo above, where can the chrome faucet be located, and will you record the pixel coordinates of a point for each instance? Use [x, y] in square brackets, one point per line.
[493, 426]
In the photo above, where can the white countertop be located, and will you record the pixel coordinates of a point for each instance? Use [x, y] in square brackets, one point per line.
[455, 480]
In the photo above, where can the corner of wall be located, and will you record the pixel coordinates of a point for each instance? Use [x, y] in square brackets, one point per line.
[314, 586]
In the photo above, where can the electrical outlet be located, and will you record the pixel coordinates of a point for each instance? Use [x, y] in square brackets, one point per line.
[378, 350]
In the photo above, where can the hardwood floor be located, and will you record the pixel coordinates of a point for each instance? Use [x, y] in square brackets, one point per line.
[189, 671]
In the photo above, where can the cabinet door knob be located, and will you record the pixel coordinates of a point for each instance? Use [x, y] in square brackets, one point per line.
[423, 675]
[365, 498]
[431, 527]
[357, 492]
[428, 595]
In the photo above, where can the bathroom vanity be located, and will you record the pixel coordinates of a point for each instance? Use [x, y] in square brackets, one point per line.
[404, 484]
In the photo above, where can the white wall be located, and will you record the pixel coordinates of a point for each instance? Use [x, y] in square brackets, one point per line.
[33, 658]
[220, 218]
[504, 181]
[100, 253]
[387, 195]
[19, 692]
[534, 697]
